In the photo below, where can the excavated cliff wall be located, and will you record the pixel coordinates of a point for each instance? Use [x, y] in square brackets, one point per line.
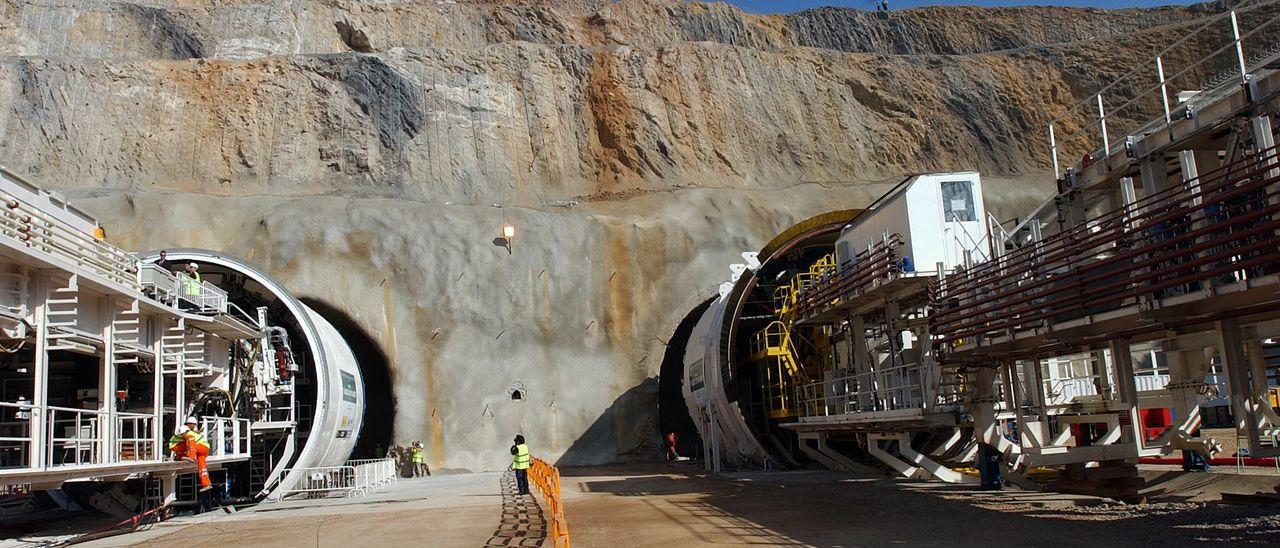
[357, 151]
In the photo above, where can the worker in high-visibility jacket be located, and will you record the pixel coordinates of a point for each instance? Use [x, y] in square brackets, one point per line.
[189, 444]
[520, 460]
[191, 284]
[419, 462]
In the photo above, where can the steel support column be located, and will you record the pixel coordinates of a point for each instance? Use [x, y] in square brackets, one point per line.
[1127, 388]
[1231, 349]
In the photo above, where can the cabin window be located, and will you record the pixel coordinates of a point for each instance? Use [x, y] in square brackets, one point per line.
[957, 201]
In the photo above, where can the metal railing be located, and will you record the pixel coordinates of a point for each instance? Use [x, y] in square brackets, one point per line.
[74, 437]
[771, 340]
[170, 288]
[355, 478]
[136, 437]
[885, 389]
[1219, 34]
[373, 474]
[320, 481]
[1182, 239]
[1151, 383]
[1065, 391]
[29, 226]
[228, 437]
[878, 264]
[16, 437]
[546, 478]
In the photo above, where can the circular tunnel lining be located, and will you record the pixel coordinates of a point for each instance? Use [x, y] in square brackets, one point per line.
[673, 412]
[380, 404]
[329, 392]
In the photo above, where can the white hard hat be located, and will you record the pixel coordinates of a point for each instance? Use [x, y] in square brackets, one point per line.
[194, 266]
[192, 420]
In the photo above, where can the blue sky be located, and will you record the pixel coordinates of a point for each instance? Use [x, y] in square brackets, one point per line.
[785, 6]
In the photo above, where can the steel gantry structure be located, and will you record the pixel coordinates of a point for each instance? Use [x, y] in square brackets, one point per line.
[1090, 330]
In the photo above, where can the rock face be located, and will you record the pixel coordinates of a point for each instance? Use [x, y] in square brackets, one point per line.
[355, 150]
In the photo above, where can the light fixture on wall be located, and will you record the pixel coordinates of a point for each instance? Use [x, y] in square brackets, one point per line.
[508, 233]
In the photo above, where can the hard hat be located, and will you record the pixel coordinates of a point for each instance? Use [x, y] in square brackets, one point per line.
[192, 420]
[194, 266]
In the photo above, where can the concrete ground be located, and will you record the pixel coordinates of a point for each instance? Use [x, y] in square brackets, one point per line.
[450, 510]
[659, 505]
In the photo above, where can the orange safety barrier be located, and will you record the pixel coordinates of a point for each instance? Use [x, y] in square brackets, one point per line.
[547, 479]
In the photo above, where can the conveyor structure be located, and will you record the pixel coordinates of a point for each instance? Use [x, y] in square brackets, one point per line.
[1094, 329]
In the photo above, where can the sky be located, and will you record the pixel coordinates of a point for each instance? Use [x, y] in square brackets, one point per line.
[785, 6]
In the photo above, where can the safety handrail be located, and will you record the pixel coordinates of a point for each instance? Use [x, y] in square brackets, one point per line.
[878, 263]
[1243, 68]
[892, 388]
[228, 436]
[13, 414]
[31, 227]
[1212, 226]
[547, 479]
[79, 447]
[136, 433]
[772, 336]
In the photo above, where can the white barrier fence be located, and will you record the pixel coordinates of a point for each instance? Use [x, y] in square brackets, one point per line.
[373, 474]
[355, 478]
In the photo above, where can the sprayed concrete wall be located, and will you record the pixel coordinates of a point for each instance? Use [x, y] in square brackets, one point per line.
[355, 151]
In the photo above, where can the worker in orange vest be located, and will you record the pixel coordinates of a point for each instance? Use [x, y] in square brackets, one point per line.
[190, 445]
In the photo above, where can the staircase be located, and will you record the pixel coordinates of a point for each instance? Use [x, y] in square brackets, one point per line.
[195, 356]
[172, 346]
[62, 310]
[126, 336]
[775, 341]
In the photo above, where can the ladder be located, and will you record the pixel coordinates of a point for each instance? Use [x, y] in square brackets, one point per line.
[152, 494]
[62, 310]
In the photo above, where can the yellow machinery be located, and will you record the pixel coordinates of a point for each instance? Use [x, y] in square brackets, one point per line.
[774, 347]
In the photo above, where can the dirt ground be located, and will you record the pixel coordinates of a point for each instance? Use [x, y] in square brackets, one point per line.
[667, 506]
[659, 505]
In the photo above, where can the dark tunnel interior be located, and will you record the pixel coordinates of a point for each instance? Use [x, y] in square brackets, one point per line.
[673, 414]
[379, 398]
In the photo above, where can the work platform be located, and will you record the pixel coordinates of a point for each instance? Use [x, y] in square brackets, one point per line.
[106, 355]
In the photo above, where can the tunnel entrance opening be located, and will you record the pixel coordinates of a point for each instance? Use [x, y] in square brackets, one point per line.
[375, 368]
[673, 412]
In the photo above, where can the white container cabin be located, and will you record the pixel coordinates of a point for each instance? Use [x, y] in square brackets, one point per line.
[939, 216]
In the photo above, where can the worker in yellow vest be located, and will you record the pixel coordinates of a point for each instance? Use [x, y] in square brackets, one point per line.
[415, 451]
[191, 286]
[520, 460]
[189, 444]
